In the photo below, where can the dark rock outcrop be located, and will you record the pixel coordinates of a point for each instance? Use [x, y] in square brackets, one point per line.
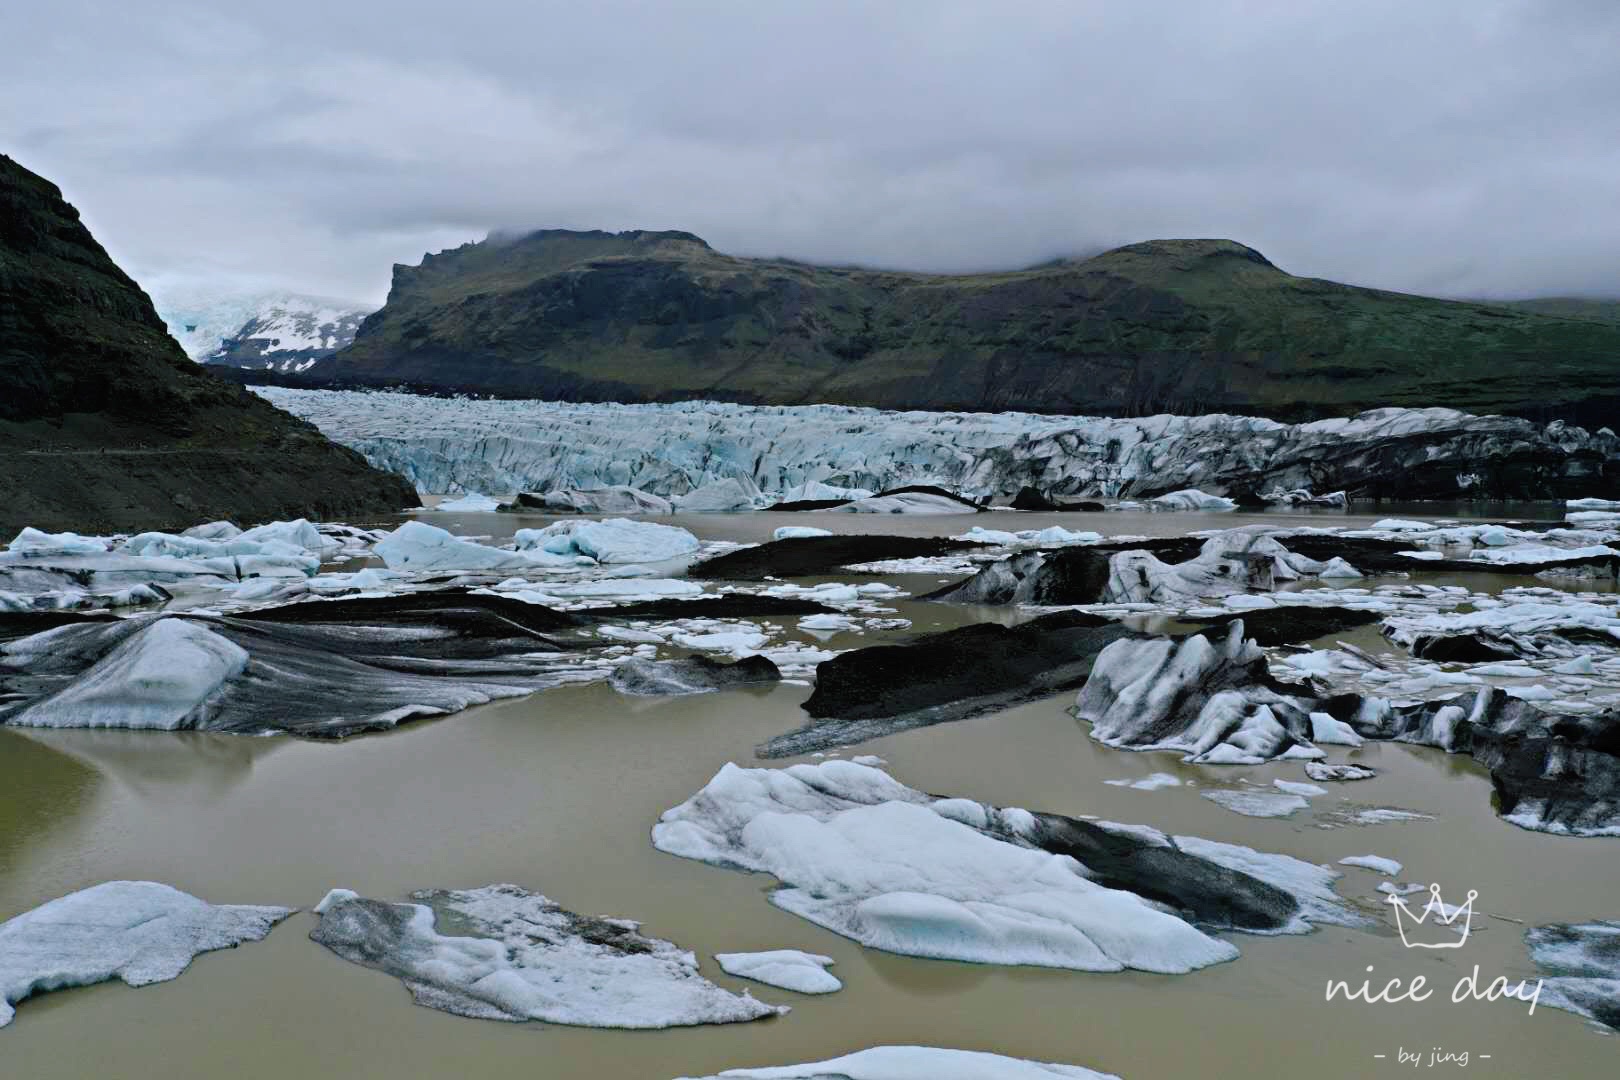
[106, 425]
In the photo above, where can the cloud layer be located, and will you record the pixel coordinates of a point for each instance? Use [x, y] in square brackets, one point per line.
[1456, 148]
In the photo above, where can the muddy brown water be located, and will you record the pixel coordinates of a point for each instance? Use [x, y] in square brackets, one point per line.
[557, 792]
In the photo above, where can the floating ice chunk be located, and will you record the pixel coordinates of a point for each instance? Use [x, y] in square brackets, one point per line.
[819, 492]
[335, 896]
[1536, 553]
[723, 496]
[1294, 787]
[1532, 693]
[1390, 888]
[164, 676]
[34, 542]
[470, 503]
[1206, 699]
[1592, 504]
[1054, 536]
[1372, 862]
[736, 642]
[1338, 568]
[418, 546]
[614, 540]
[871, 760]
[798, 532]
[1151, 782]
[916, 1063]
[1423, 556]
[826, 625]
[857, 854]
[789, 969]
[1255, 803]
[1401, 525]
[213, 530]
[1331, 732]
[905, 502]
[138, 931]
[1581, 665]
[1582, 962]
[1506, 671]
[1191, 499]
[1321, 770]
[514, 955]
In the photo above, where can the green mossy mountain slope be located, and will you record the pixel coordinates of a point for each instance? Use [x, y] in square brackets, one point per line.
[1184, 326]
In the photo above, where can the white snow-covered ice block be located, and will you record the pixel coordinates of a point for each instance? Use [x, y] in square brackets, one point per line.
[139, 931]
[789, 969]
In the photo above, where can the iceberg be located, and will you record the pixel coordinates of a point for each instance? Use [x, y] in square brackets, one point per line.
[916, 1063]
[511, 954]
[1375, 863]
[419, 547]
[861, 854]
[166, 675]
[470, 503]
[787, 969]
[614, 540]
[798, 532]
[138, 931]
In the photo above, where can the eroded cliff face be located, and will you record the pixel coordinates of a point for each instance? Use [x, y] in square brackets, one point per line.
[105, 424]
[1181, 326]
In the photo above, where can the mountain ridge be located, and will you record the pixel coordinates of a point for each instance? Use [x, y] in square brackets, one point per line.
[1201, 325]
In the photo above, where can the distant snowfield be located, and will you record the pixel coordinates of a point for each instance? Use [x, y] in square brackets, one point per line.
[451, 445]
[283, 322]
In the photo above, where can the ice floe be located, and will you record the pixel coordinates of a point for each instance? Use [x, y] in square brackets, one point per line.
[916, 1063]
[139, 931]
[613, 540]
[863, 855]
[788, 969]
[470, 503]
[1582, 965]
[1372, 862]
[511, 954]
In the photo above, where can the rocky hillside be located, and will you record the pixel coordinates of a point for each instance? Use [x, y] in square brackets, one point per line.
[105, 424]
[1190, 326]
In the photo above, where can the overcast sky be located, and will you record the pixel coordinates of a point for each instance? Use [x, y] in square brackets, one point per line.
[1455, 148]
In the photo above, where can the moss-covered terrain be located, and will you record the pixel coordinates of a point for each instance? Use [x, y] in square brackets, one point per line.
[105, 424]
[1187, 326]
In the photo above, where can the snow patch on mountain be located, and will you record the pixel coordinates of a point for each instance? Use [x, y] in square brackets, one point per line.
[280, 330]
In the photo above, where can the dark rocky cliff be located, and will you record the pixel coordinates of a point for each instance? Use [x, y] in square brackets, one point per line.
[105, 424]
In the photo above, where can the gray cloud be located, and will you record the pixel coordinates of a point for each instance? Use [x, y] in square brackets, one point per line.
[1459, 148]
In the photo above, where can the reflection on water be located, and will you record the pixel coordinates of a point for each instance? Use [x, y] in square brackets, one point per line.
[39, 789]
[151, 763]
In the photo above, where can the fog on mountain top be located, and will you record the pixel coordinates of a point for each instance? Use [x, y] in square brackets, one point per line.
[1446, 148]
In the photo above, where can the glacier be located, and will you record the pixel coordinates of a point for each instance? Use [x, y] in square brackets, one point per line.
[446, 445]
